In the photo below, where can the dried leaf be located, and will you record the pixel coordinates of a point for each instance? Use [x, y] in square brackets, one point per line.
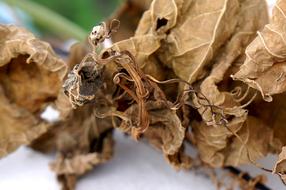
[229, 105]
[273, 115]
[219, 147]
[263, 68]
[280, 166]
[186, 35]
[82, 141]
[165, 131]
[180, 160]
[30, 75]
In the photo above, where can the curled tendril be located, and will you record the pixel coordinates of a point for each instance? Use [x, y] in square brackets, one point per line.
[137, 85]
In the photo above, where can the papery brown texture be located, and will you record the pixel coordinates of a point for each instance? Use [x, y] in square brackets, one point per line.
[251, 17]
[30, 79]
[82, 141]
[264, 67]
[222, 106]
[186, 35]
[280, 166]
[47, 141]
[273, 114]
[219, 147]
[190, 37]
[165, 131]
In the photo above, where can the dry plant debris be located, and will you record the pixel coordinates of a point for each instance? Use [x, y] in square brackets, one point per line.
[30, 79]
[183, 73]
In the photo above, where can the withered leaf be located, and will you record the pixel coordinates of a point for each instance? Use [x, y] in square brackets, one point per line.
[30, 79]
[199, 42]
[82, 142]
[251, 17]
[165, 131]
[219, 147]
[264, 67]
[273, 115]
[186, 35]
[280, 166]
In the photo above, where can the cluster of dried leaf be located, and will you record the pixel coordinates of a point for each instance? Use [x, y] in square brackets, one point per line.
[188, 75]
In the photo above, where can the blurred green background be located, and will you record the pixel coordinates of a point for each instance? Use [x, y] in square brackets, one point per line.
[64, 19]
[85, 13]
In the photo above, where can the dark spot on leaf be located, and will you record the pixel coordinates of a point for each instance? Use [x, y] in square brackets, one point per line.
[161, 22]
[105, 55]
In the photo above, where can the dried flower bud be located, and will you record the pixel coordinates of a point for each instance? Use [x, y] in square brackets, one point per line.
[98, 34]
[83, 82]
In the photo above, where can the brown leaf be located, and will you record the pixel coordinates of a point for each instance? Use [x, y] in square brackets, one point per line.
[180, 160]
[82, 141]
[186, 35]
[30, 75]
[220, 107]
[273, 114]
[245, 29]
[218, 146]
[165, 131]
[264, 67]
[280, 166]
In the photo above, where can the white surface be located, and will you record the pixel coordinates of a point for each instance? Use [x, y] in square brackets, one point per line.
[134, 166]
[50, 114]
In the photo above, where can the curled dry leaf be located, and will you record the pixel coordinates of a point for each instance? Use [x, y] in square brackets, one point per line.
[30, 79]
[199, 42]
[223, 111]
[165, 131]
[251, 17]
[191, 36]
[82, 141]
[185, 35]
[273, 115]
[131, 100]
[219, 147]
[264, 67]
[280, 166]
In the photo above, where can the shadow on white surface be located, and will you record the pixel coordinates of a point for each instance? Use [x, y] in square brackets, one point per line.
[134, 166]
[138, 166]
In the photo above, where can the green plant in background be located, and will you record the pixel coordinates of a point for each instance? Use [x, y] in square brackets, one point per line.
[67, 18]
[85, 13]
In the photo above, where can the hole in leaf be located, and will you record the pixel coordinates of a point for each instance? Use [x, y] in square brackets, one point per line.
[161, 22]
[50, 114]
[105, 55]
